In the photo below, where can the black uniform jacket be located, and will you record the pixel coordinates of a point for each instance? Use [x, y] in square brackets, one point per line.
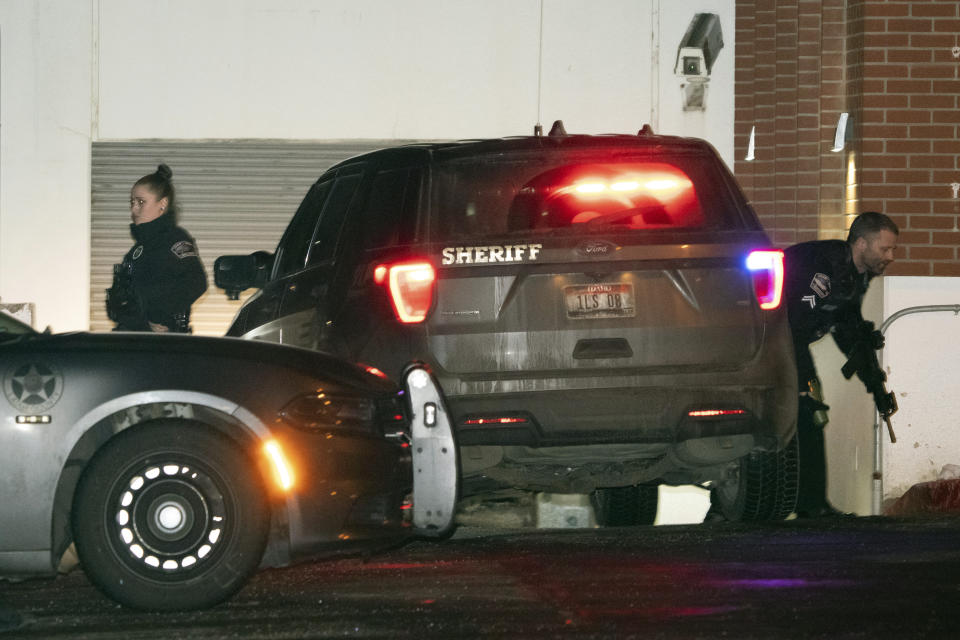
[823, 290]
[166, 269]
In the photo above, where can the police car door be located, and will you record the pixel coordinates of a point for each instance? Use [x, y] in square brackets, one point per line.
[309, 297]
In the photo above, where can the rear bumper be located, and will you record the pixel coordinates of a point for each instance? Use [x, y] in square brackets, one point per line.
[647, 415]
[634, 406]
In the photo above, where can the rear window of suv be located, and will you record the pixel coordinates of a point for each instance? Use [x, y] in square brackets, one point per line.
[575, 193]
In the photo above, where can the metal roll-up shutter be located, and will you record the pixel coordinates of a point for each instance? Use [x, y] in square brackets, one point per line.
[235, 197]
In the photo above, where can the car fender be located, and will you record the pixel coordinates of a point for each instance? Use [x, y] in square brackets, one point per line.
[93, 430]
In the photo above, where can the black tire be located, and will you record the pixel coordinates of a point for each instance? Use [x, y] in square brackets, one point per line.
[625, 506]
[761, 486]
[170, 516]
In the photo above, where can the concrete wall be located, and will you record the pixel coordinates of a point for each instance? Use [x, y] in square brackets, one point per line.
[46, 102]
[849, 434]
[77, 71]
[922, 359]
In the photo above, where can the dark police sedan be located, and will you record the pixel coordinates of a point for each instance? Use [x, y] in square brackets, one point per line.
[178, 465]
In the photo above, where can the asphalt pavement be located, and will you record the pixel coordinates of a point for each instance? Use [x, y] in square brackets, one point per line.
[848, 578]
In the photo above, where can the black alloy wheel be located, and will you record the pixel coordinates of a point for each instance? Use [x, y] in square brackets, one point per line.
[170, 516]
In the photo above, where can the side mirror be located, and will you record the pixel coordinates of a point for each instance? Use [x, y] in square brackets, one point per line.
[235, 274]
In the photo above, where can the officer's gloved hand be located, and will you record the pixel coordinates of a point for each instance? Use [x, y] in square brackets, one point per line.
[812, 412]
[876, 337]
[886, 404]
[811, 404]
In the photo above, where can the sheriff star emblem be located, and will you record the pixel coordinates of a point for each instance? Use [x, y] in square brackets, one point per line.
[33, 387]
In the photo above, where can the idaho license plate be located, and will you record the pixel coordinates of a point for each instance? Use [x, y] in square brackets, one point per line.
[589, 301]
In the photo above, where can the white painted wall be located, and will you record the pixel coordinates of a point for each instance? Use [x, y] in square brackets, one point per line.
[922, 361]
[45, 129]
[922, 358]
[849, 434]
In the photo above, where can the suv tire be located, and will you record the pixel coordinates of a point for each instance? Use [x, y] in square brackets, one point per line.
[762, 486]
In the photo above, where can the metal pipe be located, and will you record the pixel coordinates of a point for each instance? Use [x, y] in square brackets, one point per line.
[877, 502]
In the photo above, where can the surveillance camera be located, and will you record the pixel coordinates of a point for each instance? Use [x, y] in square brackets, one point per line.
[698, 51]
[699, 48]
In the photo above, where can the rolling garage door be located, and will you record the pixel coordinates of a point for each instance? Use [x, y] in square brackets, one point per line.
[235, 197]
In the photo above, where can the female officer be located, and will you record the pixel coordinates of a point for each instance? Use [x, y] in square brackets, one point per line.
[161, 276]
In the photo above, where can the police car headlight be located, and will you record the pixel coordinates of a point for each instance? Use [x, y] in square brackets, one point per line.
[322, 411]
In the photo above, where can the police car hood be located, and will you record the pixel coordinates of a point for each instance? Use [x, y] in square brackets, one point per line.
[141, 345]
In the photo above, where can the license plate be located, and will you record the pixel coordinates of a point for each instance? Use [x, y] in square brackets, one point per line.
[589, 301]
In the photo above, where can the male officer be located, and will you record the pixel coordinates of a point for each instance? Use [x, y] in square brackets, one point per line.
[824, 287]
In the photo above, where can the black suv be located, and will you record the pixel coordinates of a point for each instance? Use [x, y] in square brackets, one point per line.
[602, 312]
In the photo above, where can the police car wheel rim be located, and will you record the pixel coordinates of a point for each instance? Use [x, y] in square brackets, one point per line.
[168, 517]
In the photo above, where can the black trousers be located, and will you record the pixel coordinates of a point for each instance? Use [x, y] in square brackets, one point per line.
[812, 490]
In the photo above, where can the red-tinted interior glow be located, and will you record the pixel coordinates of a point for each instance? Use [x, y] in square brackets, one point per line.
[657, 193]
[766, 267]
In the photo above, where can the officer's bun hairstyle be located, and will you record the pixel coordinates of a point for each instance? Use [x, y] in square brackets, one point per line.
[869, 223]
[160, 184]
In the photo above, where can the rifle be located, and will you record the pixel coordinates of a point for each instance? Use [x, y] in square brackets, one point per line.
[862, 360]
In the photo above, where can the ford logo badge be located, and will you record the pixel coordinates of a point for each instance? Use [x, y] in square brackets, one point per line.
[596, 248]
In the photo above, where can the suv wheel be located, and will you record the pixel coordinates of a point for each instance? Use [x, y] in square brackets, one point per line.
[761, 486]
[625, 506]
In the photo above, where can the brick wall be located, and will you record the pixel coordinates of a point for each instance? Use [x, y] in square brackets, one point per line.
[891, 66]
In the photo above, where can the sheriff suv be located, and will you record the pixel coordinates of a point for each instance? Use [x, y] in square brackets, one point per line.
[603, 312]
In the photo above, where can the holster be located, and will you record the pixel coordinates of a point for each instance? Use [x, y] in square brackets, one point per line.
[812, 404]
[123, 304]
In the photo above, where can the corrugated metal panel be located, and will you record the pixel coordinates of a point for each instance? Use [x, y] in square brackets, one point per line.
[235, 197]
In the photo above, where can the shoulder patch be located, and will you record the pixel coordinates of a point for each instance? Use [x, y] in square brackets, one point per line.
[184, 249]
[821, 284]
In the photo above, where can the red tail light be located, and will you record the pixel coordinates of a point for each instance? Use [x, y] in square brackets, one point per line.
[766, 267]
[411, 288]
[716, 413]
[495, 420]
[374, 371]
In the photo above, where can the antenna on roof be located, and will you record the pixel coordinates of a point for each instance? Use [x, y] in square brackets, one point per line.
[647, 130]
[557, 129]
[538, 130]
